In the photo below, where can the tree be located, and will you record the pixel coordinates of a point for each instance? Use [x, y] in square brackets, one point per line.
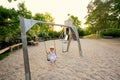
[23, 12]
[98, 14]
[8, 26]
[41, 30]
[76, 21]
[103, 14]
[115, 9]
[77, 24]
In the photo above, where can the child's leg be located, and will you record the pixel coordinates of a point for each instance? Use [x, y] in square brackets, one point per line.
[54, 61]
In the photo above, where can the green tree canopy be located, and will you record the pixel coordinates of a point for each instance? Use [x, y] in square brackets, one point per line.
[41, 30]
[103, 14]
[23, 12]
[9, 26]
[76, 23]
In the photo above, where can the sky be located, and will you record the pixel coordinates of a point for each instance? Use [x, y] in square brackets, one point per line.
[57, 8]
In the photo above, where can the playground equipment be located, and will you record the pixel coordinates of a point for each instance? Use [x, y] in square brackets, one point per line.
[26, 24]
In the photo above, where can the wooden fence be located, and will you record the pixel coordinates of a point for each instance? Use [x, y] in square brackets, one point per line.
[11, 48]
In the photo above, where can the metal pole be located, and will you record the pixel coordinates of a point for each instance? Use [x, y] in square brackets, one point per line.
[74, 30]
[79, 45]
[25, 50]
[49, 23]
[69, 41]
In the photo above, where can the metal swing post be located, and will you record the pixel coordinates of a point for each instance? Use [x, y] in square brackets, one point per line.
[25, 50]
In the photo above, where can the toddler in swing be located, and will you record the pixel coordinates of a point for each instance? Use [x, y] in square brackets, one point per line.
[51, 55]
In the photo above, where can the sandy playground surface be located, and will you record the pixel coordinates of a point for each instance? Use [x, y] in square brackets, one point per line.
[100, 61]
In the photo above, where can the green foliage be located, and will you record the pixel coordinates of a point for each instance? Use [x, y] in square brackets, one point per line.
[9, 24]
[80, 32]
[76, 21]
[9, 27]
[33, 32]
[2, 56]
[98, 14]
[91, 36]
[44, 36]
[23, 12]
[77, 24]
[44, 17]
[11, 0]
[49, 35]
[87, 31]
[103, 15]
[111, 32]
[54, 34]
[7, 18]
[41, 30]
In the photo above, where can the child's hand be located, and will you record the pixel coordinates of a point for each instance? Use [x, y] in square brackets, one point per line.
[47, 53]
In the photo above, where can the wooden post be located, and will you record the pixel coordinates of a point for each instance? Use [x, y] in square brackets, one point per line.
[25, 50]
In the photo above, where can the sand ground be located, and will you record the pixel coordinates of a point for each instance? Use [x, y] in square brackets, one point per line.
[100, 61]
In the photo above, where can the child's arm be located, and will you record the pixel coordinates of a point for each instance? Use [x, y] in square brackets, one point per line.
[47, 53]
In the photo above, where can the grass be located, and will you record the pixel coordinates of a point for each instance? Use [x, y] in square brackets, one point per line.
[91, 36]
[3, 55]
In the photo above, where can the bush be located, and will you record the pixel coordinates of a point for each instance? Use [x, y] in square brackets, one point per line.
[80, 32]
[54, 34]
[111, 32]
[49, 35]
[44, 35]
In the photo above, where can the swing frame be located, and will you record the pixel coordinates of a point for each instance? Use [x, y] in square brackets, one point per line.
[25, 25]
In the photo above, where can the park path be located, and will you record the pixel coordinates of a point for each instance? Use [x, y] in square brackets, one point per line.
[100, 61]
